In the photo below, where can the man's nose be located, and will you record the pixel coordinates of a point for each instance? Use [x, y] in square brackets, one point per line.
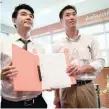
[72, 17]
[29, 17]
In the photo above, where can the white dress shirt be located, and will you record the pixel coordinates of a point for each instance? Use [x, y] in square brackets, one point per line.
[6, 57]
[82, 50]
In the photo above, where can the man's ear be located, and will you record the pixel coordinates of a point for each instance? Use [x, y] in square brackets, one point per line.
[14, 21]
[61, 20]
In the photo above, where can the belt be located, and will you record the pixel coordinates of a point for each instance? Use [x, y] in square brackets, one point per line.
[31, 101]
[83, 82]
[26, 103]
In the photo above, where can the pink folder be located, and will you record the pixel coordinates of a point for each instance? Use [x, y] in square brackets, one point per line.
[26, 63]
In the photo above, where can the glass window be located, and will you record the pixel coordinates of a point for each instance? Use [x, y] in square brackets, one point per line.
[46, 39]
[107, 26]
[58, 36]
[101, 40]
[92, 29]
[48, 48]
[0, 15]
[107, 38]
[3, 34]
[105, 56]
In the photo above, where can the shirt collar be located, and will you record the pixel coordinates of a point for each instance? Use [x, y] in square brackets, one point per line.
[74, 39]
[17, 37]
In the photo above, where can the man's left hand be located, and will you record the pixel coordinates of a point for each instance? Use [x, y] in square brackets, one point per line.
[74, 70]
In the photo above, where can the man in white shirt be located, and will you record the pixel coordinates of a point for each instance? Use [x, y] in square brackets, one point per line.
[22, 17]
[86, 62]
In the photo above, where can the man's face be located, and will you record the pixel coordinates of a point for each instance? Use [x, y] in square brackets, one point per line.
[69, 18]
[24, 19]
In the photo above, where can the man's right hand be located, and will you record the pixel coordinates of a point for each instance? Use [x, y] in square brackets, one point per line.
[57, 97]
[8, 73]
[57, 102]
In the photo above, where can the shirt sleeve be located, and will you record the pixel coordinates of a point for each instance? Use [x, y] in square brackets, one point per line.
[1, 54]
[97, 59]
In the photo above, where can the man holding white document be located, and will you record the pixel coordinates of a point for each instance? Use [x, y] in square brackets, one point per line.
[85, 63]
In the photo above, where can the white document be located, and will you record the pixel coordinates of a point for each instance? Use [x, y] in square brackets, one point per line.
[53, 71]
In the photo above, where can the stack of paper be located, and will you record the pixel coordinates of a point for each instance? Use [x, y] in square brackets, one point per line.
[53, 70]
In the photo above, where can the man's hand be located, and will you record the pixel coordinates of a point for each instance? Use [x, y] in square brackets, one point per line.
[8, 73]
[56, 100]
[74, 70]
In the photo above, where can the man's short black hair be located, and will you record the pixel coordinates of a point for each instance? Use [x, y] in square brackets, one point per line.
[65, 8]
[22, 6]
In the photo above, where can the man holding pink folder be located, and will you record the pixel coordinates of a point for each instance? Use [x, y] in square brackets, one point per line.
[22, 17]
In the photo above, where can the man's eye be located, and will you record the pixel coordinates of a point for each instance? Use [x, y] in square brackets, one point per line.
[23, 14]
[67, 15]
[31, 16]
[74, 14]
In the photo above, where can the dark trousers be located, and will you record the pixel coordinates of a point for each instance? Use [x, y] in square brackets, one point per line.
[37, 102]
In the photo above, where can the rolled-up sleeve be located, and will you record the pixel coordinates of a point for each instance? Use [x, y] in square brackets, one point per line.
[97, 59]
[1, 49]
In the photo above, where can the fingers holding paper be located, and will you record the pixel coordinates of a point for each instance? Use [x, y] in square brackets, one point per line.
[9, 72]
[73, 70]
